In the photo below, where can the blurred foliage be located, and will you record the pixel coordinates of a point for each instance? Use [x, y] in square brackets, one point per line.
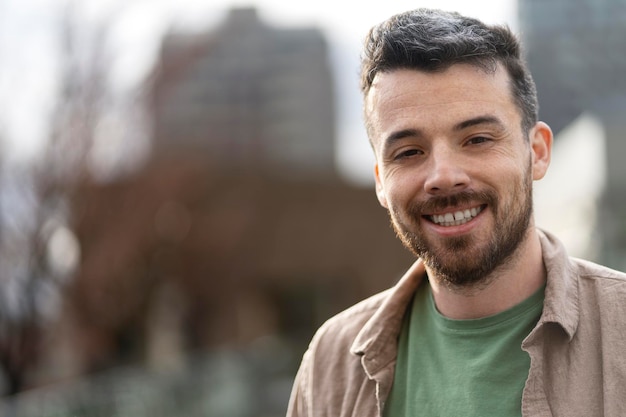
[39, 251]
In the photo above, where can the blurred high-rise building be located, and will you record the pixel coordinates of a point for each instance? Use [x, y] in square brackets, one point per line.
[249, 96]
[576, 50]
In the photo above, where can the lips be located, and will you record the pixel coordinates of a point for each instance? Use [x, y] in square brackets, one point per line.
[455, 217]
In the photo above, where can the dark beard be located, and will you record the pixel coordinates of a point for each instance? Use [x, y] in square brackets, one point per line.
[457, 262]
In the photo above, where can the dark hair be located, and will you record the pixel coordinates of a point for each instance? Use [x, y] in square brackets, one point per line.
[433, 40]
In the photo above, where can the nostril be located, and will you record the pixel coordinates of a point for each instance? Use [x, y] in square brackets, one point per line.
[444, 182]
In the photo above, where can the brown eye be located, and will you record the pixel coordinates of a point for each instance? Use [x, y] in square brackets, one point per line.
[478, 140]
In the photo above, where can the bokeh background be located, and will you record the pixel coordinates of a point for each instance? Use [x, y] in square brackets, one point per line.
[186, 189]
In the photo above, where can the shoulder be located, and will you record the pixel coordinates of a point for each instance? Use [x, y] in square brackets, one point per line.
[328, 358]
[574, 277]
[330, 378]
[598, 275]
[601, 293]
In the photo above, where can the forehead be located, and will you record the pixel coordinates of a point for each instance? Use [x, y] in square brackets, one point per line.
[407, 98]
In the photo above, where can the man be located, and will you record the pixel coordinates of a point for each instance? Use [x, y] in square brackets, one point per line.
[494, 319]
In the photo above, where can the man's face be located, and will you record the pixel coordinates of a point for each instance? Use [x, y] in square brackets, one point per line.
[453, 167]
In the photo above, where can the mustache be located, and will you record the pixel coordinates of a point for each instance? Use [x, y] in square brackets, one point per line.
[441, 203]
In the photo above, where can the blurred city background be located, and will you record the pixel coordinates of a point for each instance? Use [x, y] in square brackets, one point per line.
[186, 190]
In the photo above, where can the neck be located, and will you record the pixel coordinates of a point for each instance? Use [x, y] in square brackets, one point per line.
[506, 287]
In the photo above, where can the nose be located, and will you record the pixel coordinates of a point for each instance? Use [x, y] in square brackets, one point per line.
[446, 173]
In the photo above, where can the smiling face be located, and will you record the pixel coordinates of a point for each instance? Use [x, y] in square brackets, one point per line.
[454, 167]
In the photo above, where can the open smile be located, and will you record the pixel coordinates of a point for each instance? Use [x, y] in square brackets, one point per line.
[455, 217]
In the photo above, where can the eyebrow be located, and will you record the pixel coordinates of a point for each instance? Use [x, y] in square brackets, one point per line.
[401, 134]
[476, 121]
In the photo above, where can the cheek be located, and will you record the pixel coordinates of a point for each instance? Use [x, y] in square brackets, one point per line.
[506, 171]
[515, 184]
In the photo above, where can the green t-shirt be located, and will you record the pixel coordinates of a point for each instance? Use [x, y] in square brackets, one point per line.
[451, 368]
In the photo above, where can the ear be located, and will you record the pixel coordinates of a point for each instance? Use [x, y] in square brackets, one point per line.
[541, 148]
[380, 193]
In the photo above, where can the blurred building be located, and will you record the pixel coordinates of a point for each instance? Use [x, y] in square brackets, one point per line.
[576, 50]
[249, 96]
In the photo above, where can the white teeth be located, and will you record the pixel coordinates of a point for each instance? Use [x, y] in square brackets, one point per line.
[456, 218]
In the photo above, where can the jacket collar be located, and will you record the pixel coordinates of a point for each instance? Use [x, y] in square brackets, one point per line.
[378, 339]
[561, 305]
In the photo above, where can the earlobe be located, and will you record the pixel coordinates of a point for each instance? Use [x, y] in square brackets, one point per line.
[379, 188]
[541, 148]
